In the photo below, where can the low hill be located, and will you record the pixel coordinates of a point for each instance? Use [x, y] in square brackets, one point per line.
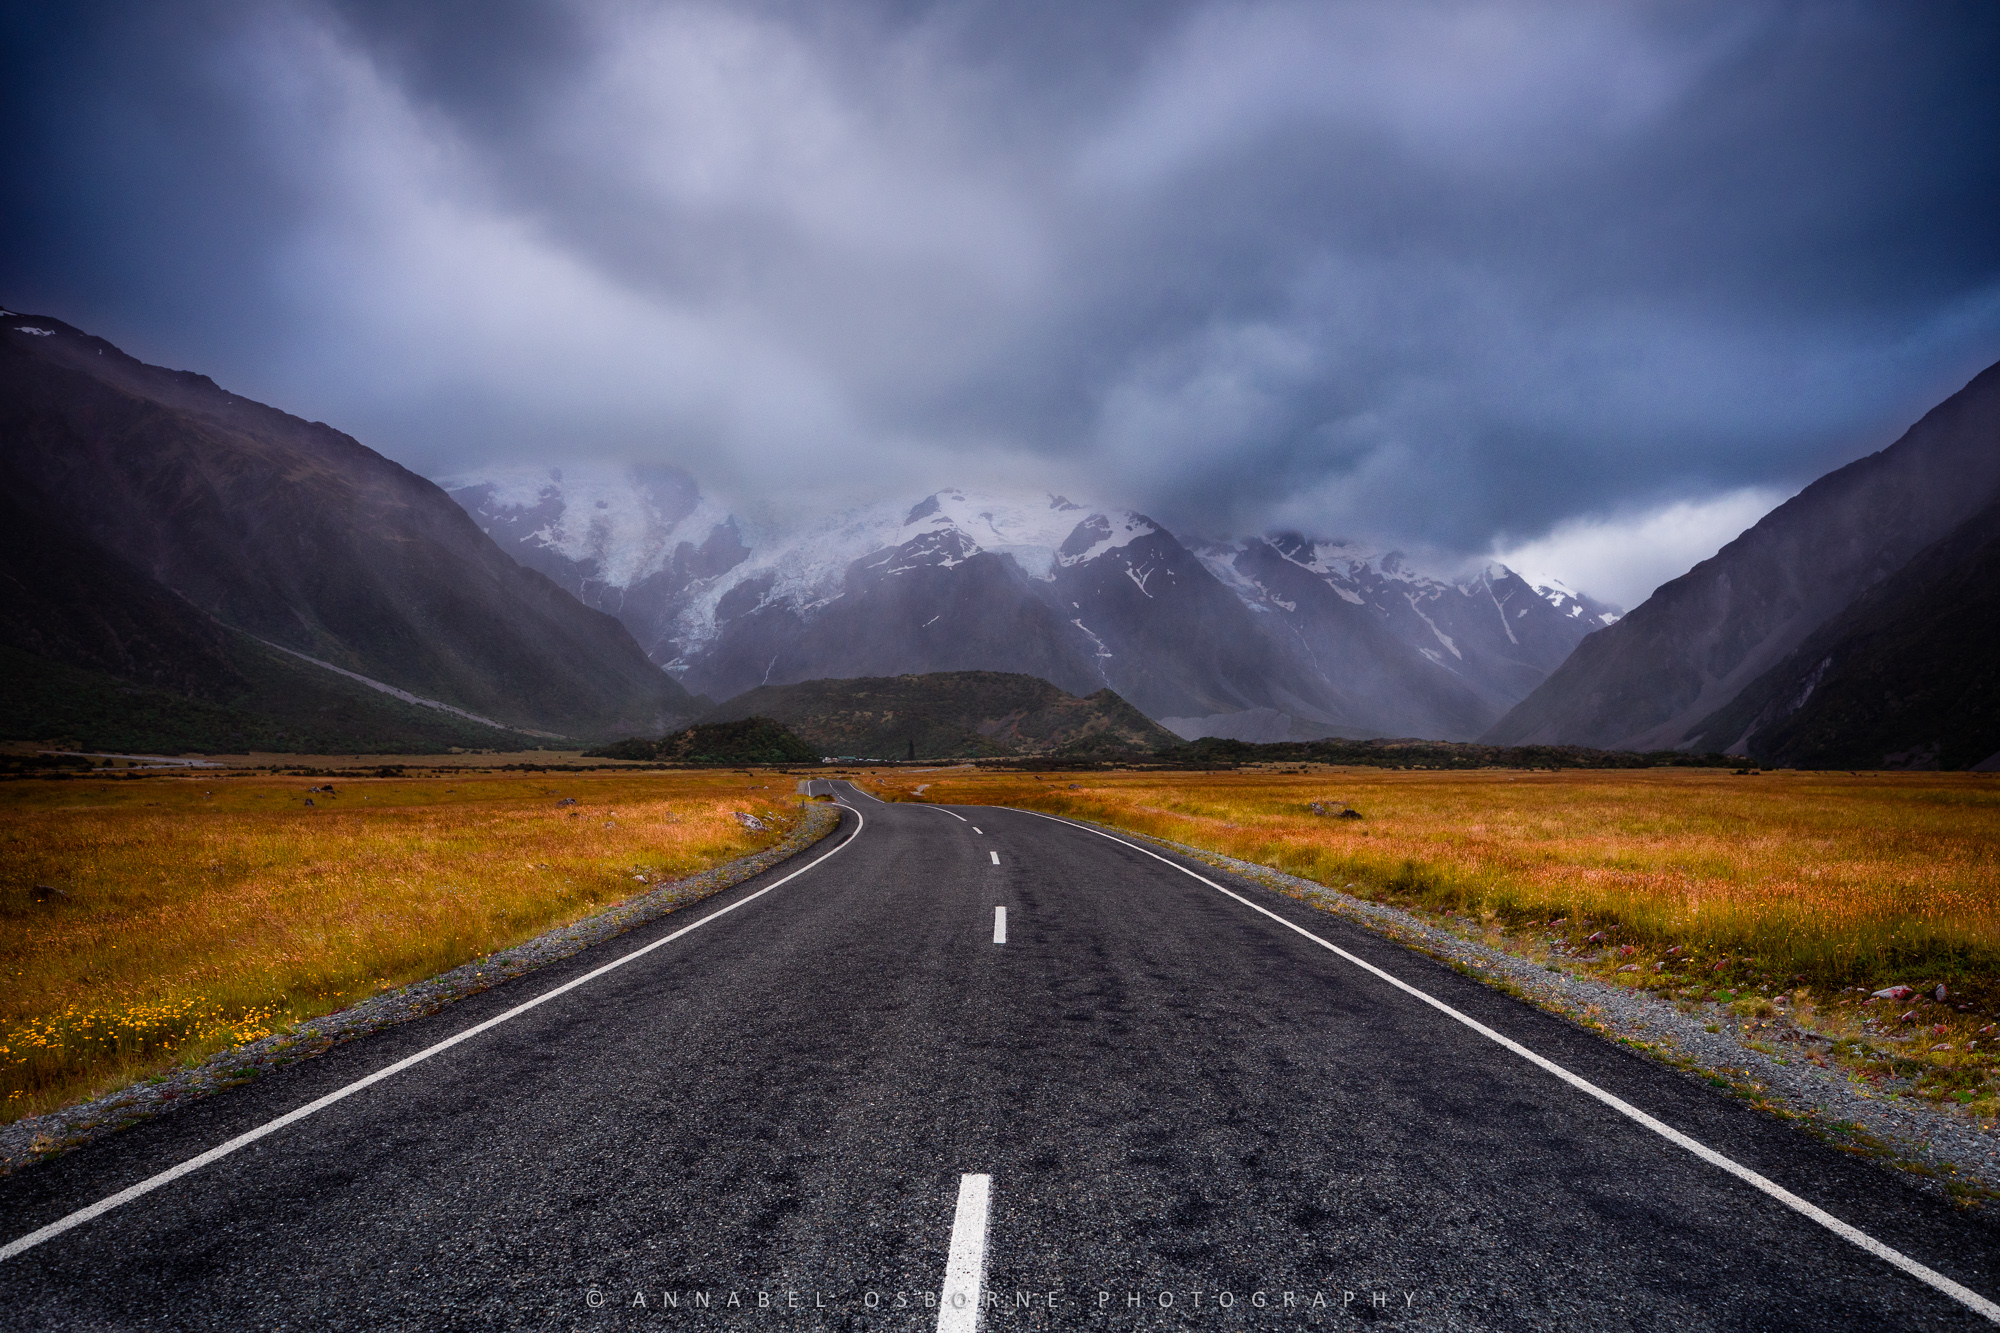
[750, 740]
[948, 715]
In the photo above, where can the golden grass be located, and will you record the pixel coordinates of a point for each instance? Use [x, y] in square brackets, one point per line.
[1844, 878]
[193, 913]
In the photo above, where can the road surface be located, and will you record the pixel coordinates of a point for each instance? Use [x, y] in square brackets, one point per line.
[1129, 1099]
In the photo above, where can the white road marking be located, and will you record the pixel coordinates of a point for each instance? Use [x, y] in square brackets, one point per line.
[980, 831]
[999, 925]
[269, 1127]
[1965, 1296]
[995, 856]
[953, 813]
[965, 1266]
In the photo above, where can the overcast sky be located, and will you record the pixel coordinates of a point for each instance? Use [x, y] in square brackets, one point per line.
[1590, 284]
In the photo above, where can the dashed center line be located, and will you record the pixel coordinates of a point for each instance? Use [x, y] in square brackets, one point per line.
[965, 1266]
[980, 831]
[995, 856]
[999, 925]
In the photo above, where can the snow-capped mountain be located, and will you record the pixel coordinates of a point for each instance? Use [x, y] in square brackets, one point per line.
[1344, 603]
[1261, 639]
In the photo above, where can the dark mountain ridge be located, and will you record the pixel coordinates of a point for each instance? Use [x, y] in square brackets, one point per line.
[1654, 679]
[1907, 676]
[163, 526]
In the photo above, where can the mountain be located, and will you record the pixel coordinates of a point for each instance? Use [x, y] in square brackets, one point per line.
[1665, 675]
[1907, 676]
[946, 715]
[1270, 638]
[1358, 614]
[171, 537]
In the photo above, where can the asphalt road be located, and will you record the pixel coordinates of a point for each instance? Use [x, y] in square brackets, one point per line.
[1176, 1101]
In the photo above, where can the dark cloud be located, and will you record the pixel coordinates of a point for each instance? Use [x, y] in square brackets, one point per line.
[1457, 274]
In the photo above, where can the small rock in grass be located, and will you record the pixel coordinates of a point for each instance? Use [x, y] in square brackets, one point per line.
[1595, 937]
[1942, 1046]
[1907, 1017]
[1629, 967]
[1893, 993]
[1939, 993]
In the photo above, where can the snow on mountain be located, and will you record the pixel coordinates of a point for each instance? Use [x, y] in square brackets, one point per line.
[808, 568]
[623, 523]
[1311, 636]
[1363, 574]
[1491, 630]
[1569, 601]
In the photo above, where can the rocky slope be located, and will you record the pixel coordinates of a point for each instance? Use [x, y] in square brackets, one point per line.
[1263, 639]
[946, 715]
[167, 533]
[1657, 678]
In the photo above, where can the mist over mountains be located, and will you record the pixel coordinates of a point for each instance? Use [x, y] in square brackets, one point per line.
[184, 568]
[1267, 638]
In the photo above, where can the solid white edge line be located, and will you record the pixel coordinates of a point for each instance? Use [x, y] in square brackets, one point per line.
[1965, 1296]
[221, 1150]
[965, 1265]
[999, 925]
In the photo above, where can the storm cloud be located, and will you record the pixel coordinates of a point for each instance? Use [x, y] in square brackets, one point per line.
[1580, 281]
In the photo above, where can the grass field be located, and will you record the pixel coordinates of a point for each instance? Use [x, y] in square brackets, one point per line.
[144, 921]
[1807, 890]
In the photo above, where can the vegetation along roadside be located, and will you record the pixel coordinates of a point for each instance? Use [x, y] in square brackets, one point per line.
[147, 924]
